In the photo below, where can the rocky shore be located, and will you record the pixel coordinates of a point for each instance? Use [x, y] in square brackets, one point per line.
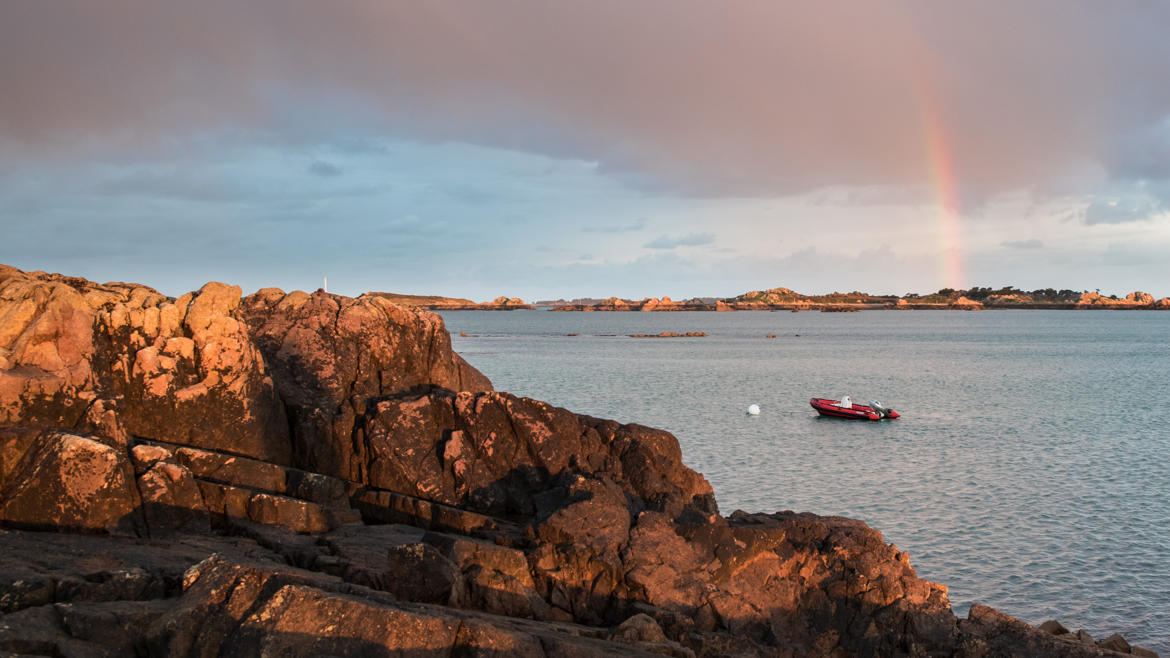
[310, 474]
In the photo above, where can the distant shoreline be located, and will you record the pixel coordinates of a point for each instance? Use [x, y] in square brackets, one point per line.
[783, 299]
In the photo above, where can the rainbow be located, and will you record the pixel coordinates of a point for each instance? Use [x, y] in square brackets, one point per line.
[946, 187]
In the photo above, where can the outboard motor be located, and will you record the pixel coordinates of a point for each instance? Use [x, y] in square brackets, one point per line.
[881, 411]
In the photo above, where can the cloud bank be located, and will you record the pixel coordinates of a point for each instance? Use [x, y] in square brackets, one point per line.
[692, 97]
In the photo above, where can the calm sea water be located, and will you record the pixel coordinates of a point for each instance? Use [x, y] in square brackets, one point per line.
[1030, 470]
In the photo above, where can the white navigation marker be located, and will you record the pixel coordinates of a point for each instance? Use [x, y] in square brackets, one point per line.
[754, 410]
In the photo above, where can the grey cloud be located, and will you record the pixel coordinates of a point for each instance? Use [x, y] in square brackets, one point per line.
[1122, 210]
[688, 240]
[324, 169]
[175, 184]
[1023, 244]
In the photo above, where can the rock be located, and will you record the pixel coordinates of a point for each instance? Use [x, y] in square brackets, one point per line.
[508, 301]
[1136, 299]
[183, 371]
[1115, 643]
[226, 503]
[114, 626]
[39, 632]
[664, 304]
[1139, 298]
[21, 592]
[419, 572]
[1054, 627]
[60, 480]
[497, 577]
[282, 613]
[393, 558]
[639, 628]
[144, 456]
[330, 354]
[172, 500]
[511, 525]
[999, 634]
[1142, 651]
[239, 608]
[219, 397]
[510, 448]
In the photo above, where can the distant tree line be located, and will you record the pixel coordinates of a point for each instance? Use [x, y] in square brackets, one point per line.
[1046, 295]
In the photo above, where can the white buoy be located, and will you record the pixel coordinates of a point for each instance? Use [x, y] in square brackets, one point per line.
[754, 410]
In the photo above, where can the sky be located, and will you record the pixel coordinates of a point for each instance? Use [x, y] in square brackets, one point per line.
[567, 149]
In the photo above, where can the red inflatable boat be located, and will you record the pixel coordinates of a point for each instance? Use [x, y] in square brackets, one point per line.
[844, 408]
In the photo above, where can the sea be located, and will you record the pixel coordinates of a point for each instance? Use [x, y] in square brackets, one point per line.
[1029, 471]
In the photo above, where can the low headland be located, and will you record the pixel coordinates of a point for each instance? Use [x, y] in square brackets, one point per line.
[296, 474]
[436, 303]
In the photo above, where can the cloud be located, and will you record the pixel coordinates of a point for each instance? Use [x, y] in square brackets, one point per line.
[1121, 210]
[1023, 244]
[688, 240]
[175, 183]
[687, 96]
[615, 228]
[323, 169]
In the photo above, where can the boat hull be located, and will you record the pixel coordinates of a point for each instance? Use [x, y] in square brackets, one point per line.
[826, 407]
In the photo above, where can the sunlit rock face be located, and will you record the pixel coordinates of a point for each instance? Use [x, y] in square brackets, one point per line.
[122, 359]
[1136, 299]
[308, 474]
[331, 355]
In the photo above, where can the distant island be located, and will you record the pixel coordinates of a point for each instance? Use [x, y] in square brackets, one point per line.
[783, 299]
[436, 303]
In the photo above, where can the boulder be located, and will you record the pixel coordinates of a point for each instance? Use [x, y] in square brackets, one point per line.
[172, 500]
[1054, 627]
[987, 631]
[59, 480]
[1115, 643]
[393, 558]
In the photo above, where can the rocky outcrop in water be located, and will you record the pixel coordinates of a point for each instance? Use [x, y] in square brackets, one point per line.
[339, 482]
[1136, 300]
